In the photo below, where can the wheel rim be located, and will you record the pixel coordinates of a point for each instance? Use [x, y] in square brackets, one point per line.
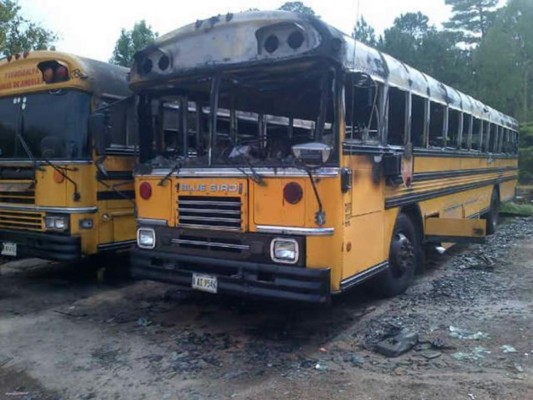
[402, 255]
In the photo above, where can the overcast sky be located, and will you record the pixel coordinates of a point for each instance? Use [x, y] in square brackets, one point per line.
[91, 28]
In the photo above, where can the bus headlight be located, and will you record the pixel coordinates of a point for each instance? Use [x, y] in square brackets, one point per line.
[146, 238]
[284, 251]
[56, 222]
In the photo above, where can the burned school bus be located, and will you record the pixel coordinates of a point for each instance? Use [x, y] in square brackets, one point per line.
[282, 159]
[66, 189]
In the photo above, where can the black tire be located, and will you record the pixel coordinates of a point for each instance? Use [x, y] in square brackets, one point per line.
[492, 217]
[404, 257]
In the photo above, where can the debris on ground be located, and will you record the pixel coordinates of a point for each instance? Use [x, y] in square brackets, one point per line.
[508, 349]
[465, 334]
[398, 344]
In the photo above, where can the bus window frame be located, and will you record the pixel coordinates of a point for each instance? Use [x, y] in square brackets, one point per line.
[130, 124]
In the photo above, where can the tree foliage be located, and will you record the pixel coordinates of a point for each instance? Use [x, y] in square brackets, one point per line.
[364, 32]
[297, 6]
[472, 18]
[413, 40]
[129, 42]
[504, 61]
[19, 34]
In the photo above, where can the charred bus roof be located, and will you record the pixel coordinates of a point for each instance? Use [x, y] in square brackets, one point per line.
[25, 73]
[248, 39]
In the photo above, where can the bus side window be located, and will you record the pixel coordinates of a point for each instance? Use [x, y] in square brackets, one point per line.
[500, 139]
[418, 118]
[493, 139]
[397, 108]
[454, 128]
[476, 134]
[485, 131]
[467, 131]
[121, 123]
[436, 124]
[361, 101]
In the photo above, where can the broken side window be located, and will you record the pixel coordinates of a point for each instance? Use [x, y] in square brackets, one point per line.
[476, 134]
[492, 143]
[436, 124]
[397, 108]
[361, 114]
[454, 128]
[467, 131]
[485, 136]
[418, 120]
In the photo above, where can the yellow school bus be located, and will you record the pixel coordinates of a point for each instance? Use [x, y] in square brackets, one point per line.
[61, 196]
[280, 158]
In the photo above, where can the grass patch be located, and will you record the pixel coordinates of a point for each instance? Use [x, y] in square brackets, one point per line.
[524, 210]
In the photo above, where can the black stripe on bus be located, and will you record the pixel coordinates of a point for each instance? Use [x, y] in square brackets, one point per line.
[351, 149]
[120, 195]
[114, 176]
[417, 197]
[428, 176]
[363, 276]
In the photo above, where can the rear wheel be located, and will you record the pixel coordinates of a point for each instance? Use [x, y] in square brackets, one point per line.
[492, 216]
[403, 259]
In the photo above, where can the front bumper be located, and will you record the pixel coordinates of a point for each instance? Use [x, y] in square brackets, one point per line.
[235, 277]
[49, 246]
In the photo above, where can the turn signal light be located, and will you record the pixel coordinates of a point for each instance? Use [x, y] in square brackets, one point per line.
[293, 193]
[145, 190]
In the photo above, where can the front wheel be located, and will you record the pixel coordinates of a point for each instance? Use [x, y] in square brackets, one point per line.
[403, 259]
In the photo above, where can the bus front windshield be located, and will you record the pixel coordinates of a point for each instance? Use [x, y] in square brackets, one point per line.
[260, 114]
[50, 125]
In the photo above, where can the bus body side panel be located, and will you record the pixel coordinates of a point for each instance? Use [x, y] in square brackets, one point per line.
[115, 199]
[366, 228]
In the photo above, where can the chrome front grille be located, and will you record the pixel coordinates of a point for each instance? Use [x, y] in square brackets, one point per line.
[21, 220]
[226, 245]
[209, 212]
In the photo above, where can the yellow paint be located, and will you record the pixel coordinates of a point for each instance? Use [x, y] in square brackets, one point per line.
[456, 227]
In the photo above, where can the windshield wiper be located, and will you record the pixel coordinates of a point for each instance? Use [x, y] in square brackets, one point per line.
[237, 153]
[175, 168]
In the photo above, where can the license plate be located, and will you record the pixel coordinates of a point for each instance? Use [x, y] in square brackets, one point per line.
[205, 283]
[9, 249]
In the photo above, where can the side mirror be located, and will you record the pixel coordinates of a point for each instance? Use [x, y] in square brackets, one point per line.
[98, 131]
[313, 154]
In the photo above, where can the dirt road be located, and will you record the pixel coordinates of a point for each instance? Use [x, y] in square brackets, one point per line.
[64, 335]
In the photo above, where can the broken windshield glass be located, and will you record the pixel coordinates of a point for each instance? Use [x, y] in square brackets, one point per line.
[261, 114]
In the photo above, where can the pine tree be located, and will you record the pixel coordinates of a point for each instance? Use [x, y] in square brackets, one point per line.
[471, 17]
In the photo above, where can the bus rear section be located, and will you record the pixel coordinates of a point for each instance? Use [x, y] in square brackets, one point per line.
[57, 196]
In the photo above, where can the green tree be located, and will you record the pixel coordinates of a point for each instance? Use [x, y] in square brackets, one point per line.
[414, 41]
[472, 18]
[504, 61]
[297, 6]
[129, 42]
[19, 34]
[364, 32]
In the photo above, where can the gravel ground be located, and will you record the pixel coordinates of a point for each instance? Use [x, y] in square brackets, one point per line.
[66, 335]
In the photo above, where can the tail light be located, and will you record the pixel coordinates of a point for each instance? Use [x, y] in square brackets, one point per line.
[53, 71]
